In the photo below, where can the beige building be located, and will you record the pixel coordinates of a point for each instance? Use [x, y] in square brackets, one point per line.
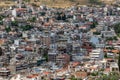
[45, 40]
[114, 67]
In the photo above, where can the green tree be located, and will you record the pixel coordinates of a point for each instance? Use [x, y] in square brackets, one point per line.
[14, 23]
[95, 23]
[27, 0]
[1, 17]
[8, 29]
[96, 33]
[72, 0]
[93, 1]
[111, 76]
[42, 13]
[105, 56]
[27, 27]
[1, 22]
[119, 61]
[43, 52]
[105, 77]
[1, 51]
[117, 29]
[115, 38]
[33, 19]
[73, 78]
[102, 36]
[94, 74]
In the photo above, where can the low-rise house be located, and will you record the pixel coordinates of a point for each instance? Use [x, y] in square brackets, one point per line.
[114, 67]
[80, 75]
[4, 72]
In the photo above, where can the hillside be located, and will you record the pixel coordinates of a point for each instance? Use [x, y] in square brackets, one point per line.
[53, 3]
[61, 3]
[6, 3]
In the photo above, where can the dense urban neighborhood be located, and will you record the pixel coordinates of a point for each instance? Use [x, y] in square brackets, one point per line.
[74, 43]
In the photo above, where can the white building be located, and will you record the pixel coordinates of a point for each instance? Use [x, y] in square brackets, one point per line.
[77, 57]
[14, 13]
[96, 54]
[106, 33]
[16, 42]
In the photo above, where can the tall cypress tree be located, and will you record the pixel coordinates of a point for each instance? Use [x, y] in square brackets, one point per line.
[119, 61]
[1, 53]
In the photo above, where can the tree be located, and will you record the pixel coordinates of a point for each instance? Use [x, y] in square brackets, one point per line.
[27, 0]
[94, 24]
[111, 38]
[111, 76]
[73, 78]
[93, 1]
[14, 23]
[117, 28]
[33, 19]
[102, 36]
[27, 27]
[1, 52]
[8, 29]
[42, 13]
[1, 22]
[105, 56]
[115, 38]
[119, 61]
[43, 52]
[96, 33]
[94, 74]
[72, 0]
[1, 17]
